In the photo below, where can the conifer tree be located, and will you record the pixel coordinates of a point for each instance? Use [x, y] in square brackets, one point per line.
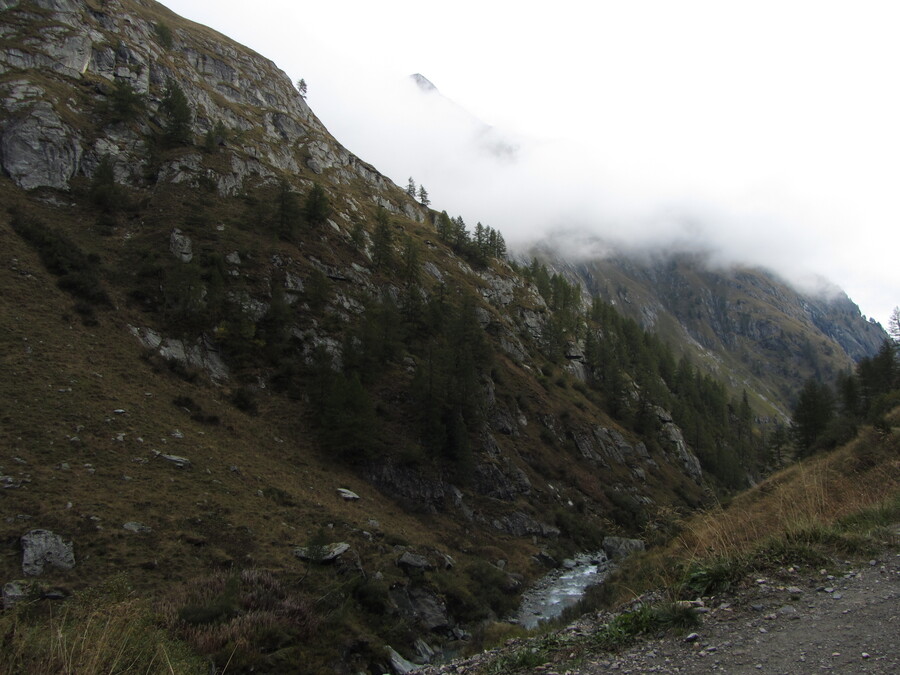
[460, 237]
[423, 196]
[287, 210]
[382, 240]
[123, 103]
[411, 188]
[316, 207]
[445, 227]
[176, 115]
[411, 265]
[813, 412]
[500, 247]
[105, 193]
[894, 325]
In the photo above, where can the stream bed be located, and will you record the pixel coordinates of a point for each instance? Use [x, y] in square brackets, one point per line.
[562, 588]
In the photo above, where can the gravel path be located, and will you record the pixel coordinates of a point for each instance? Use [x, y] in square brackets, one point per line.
[812, 623]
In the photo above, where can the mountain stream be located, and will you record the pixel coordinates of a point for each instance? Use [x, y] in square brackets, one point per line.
[562, 588]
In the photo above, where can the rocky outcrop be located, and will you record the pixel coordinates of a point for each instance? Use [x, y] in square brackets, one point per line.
[322, 554]
[202, 354]
[413, 561]
[181, 246]
[14, 592]
[672, 441]
[492, 481]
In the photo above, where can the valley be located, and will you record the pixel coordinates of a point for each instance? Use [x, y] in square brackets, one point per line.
[263, 407]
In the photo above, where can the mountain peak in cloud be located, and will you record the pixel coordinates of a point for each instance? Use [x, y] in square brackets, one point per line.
[447, 113]
[423, 82]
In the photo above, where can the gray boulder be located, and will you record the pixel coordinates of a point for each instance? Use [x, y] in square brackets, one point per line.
[180, 462]
[326, 553]
[41, 548]
[413, 561]
[398, 664]
[13, 593]
[620, 547]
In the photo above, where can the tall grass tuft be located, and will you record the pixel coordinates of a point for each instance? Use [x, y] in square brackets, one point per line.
[104, 630]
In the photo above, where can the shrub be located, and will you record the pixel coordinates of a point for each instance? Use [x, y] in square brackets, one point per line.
[163, 34]
[78, 272]
[244, 400]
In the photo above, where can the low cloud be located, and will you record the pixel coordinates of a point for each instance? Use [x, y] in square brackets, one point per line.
[765, 134]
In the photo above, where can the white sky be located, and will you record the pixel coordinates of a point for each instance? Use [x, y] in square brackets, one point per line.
[767, 130]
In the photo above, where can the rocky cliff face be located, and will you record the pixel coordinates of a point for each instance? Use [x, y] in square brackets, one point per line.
[47, 138]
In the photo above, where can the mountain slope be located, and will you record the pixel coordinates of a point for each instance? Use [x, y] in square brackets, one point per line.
[747, 326]
[215, 317]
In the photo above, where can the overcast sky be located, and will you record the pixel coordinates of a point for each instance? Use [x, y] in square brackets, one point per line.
[768, 132]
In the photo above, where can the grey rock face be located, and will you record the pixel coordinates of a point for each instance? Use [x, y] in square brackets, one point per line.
[491, 481]
[409, 486]
[672, 441]
[39, 149]
[180, 462]
[42, 548]
[229, 83]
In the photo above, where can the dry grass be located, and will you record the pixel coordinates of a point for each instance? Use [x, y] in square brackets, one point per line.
[842, 503]
[810, 495]
[106, 631]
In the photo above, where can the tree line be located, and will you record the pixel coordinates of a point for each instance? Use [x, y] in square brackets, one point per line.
[826, 416]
